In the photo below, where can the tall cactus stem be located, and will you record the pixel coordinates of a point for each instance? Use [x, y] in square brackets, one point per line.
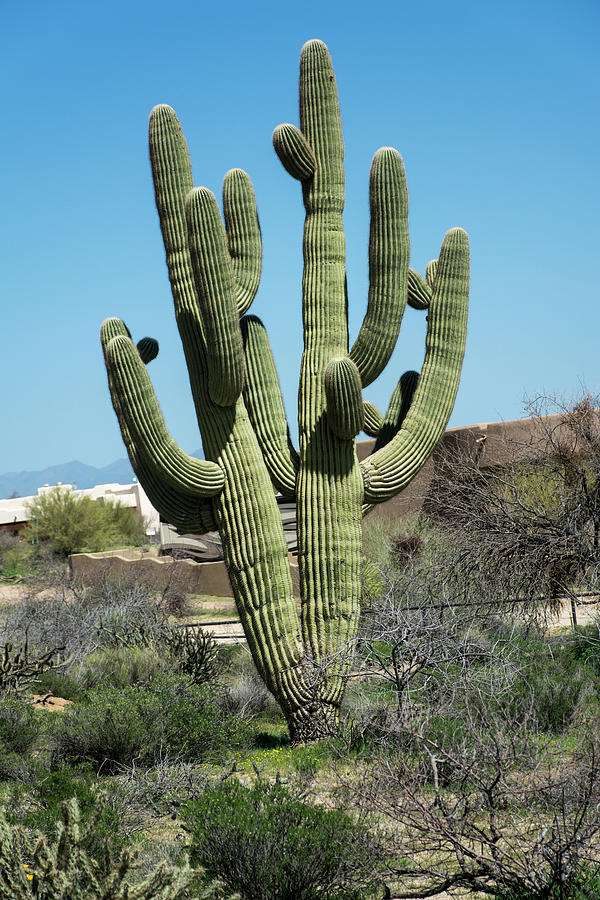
[389, 250]
[244, 241]
[398, 408]
[264, 402]
[213, 274]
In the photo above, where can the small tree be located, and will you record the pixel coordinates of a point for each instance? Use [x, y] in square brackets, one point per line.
[530, 525]
[73, 522]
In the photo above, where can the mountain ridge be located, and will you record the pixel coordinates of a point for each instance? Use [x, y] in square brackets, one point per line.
[26, 483]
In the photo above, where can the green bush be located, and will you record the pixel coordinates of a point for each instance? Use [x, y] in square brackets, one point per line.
[15, 555]
[119, 667]
[584, 885]
[555, 686]
[73, 523]
[19, 725]
[115, 726]
[267, 845]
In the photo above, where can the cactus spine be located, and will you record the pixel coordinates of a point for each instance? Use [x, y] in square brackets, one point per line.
[214, 271]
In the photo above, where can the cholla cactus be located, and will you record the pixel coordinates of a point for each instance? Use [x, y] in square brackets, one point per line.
[214, 271]
[32, 869]
[18, 669]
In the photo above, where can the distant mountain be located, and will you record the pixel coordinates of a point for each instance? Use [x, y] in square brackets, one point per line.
[26, 483]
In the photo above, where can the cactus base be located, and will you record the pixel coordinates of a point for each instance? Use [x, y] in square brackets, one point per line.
[313, 723]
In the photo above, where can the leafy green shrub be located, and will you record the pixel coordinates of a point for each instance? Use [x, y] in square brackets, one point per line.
[59, 684]
[554, 687]
[19, 725]
[74, 522]
[266, 844]
[119, 667]
[15, 555]
[114, 727]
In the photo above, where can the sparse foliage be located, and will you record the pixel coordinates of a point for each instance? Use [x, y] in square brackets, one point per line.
[530, 525]
[74, 522]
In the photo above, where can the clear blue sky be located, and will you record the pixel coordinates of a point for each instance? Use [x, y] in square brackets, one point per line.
[494, 107]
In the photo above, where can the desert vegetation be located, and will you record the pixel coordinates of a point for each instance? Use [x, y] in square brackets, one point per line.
[467, 759]
[416, 723]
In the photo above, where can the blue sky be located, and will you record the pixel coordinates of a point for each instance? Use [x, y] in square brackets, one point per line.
[494, 107]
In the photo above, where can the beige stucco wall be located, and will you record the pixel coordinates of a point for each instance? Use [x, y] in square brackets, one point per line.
[492, 442]
[159, 572]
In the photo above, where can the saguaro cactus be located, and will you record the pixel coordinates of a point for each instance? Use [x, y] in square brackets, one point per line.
[214, 271]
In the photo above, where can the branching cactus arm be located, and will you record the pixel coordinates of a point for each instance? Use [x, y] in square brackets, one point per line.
[262, 395]
[392, 467]
[373, 419]
[187, 513]
[399, 405]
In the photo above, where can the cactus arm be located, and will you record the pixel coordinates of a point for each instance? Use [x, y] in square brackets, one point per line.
[373, 419]
[243, 236]
[172, 176]
[330, 489]
[390, 469]
[264, 402]
[294, 151]
[389, 250]
[148, 349]
[186, 513]
[214, 281]
[146, 426]
[430, 272]
[419, 292]
[343, 392]
[399, 405]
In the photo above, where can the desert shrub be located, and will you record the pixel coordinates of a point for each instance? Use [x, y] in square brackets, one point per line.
[19, 725]
[74, 522]
[584, 645]
[119, 667]
[584, 884]
[59, 684]
[114, 727]
[245, 694]
[15, 555]
[265, 843]
[555, 686]
[82, 619]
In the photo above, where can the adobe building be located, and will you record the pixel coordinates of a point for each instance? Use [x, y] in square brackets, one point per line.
[203, 571]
